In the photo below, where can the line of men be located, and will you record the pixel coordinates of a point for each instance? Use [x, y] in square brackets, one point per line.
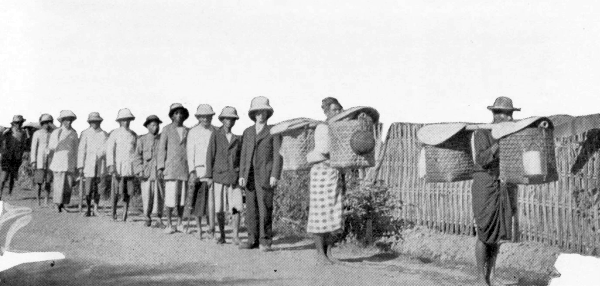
[192, 172]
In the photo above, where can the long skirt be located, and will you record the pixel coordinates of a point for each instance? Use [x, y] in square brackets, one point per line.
[63, 184]
[325, 208]
[492, 207]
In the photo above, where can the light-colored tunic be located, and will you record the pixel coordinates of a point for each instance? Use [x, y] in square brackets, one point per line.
[120, 151]
[39, 148]
[92, 152]
[197, 148]
[63, 144]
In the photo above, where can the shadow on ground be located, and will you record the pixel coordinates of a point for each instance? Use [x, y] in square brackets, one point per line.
[70, 272]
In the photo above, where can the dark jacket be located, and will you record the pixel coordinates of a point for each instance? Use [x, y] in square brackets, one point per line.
[261, 153]
[145, 156]
[485, 150]
[223, 158]
[12, 146]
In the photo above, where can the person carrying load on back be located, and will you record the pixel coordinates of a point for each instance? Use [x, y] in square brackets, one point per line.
[492, 202]
[326, 189]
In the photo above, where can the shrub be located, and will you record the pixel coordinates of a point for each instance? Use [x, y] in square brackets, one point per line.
[370, 203]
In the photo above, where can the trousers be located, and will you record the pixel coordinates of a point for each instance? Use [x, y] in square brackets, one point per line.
[259, 213]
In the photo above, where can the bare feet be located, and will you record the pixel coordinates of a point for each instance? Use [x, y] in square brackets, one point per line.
[323, 260]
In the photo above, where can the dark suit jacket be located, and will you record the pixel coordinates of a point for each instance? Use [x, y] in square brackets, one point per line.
[223, 158]
[261, 153]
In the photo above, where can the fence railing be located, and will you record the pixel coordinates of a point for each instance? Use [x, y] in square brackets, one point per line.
[564, 213]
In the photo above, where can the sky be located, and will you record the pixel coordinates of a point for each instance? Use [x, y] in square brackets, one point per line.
[414, 61]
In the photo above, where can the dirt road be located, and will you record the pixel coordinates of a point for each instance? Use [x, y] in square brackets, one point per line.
[102, 252]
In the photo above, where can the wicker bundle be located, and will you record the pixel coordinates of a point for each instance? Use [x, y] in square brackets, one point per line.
[449, 161]
[340, 137]
[528, 156]
[295, 145]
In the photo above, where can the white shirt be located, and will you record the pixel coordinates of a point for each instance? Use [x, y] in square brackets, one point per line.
[64, 148]
[120, 151]
[197, 147]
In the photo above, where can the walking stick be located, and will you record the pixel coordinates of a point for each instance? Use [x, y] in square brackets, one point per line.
[113, 195]
[80, 192]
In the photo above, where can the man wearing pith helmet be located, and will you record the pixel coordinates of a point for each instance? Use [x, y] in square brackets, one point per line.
[200, 198]
[260, 170]
[492, 203]
[120, 156]
[145, 166]
[63, 149]
[222, 171]
[13, 144]
[91, 161]
[39, 157]
[172, 164]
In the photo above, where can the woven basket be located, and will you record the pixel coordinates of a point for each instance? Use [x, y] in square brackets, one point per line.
[517, 146]
[295, 145]
[450, 161]
[341, 154]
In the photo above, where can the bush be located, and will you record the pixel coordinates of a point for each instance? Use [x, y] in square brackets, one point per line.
[370, 203]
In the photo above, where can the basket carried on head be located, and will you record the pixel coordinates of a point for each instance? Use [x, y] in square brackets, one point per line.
[449, 161]
[297, 140]
[352, 138]
[527, 154]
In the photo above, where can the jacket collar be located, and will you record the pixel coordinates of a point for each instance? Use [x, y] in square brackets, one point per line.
[183, 139]
[263, 133]
[234, 138]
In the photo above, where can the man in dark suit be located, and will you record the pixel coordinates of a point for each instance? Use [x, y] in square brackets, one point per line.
[260, 169]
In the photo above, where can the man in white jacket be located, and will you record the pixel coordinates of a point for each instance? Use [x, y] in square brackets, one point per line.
[39, 157]
[91, 160]
[63, 147]
[120, 159]
[200, 200]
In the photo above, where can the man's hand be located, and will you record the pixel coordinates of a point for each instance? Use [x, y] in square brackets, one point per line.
[80, 171]
[33, 165]
[111, 170]
[273, 182]
[193, 178]
[242, 182]
[159, 175]
[210, 182]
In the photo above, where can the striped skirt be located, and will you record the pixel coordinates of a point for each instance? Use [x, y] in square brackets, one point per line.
[325, 209]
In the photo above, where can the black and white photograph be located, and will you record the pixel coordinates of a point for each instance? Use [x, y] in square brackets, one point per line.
[282, 142]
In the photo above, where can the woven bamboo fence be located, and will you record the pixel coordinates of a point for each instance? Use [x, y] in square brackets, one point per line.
[564, 213]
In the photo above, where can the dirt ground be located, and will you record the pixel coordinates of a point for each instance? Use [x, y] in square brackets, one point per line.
[102, 252]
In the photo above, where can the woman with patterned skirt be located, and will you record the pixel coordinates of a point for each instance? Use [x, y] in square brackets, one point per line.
[326, 189]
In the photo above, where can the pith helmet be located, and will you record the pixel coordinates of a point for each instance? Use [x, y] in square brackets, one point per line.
[260, 103]
[64, 114]
[204, 109]
[176, 106]
[503, 103]
[228, 112]
[94, 117]
[46, 118]
[152, 118]
[125, 114]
